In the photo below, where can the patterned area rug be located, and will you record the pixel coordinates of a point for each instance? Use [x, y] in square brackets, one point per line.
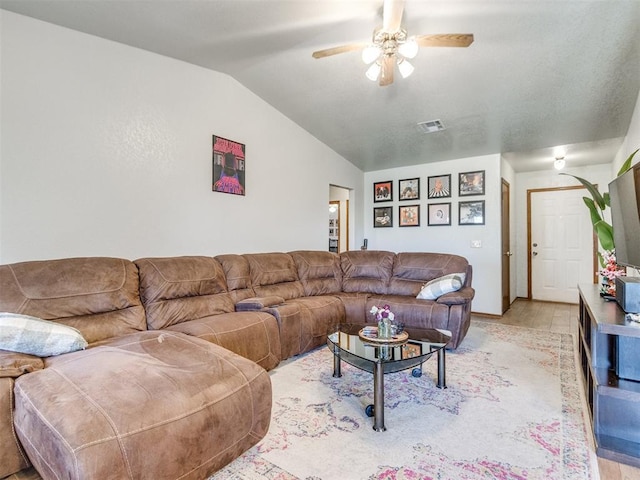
[513, 410]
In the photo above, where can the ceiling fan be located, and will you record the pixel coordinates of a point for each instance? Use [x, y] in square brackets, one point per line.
[392, 46]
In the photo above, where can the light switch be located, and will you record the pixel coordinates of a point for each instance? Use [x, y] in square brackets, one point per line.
[476, 243]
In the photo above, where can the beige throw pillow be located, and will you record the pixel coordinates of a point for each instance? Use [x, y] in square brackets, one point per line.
[441, 285]
[43, 338]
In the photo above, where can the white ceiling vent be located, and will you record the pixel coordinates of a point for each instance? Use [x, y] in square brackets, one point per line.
[431, 126]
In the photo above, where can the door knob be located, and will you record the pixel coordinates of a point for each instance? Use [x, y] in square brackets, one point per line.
[508, 254]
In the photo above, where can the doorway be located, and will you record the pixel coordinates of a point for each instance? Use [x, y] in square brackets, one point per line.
[561, 246]
[506, 246]
[339, 221]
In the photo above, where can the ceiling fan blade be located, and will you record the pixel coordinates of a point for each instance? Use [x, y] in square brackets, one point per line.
[445, 40]
[386, 73]
[336, 50]
[392, 15]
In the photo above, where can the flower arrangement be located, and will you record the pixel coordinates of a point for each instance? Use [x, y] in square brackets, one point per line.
[382, 312]
[610, 272]
[385, 317]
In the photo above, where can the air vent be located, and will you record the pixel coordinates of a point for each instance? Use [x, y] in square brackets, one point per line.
[431, 126]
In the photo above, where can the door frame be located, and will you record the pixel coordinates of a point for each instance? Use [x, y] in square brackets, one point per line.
[529, 251]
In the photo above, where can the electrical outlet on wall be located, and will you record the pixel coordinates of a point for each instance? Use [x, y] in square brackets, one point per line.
[476, 243]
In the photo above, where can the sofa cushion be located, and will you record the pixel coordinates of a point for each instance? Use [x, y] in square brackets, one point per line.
[254, 335]
[434, 289]
[367, 271]
[98, 296]
[12, 457]
[412, 270]
[147, 405]
[412, 312]
[179, 289]
[15, 364]
[274, 274]
[42, 338]
[320, 272]
[238, 274]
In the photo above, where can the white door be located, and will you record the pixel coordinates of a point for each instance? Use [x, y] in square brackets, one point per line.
[561, 244]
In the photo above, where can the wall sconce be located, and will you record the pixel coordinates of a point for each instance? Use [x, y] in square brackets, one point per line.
[559, 163]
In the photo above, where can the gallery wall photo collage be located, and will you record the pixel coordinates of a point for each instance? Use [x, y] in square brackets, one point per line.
[438, 195]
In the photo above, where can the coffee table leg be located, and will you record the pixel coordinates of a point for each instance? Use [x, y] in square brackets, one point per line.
[378, 397]
[442, 381]
[336, 362]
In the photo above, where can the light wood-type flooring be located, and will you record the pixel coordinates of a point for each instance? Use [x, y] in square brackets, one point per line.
[563, 318]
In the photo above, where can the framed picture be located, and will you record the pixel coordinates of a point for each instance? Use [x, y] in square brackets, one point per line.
[439, 186]
[383, 191]
[409, 189]
[383, 217]
[471, 213]
[439, 214]
[411, 349]
[409, 215]
[471, 183]
[228, 166]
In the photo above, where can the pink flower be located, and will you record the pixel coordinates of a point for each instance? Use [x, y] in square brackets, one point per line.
[382, 312]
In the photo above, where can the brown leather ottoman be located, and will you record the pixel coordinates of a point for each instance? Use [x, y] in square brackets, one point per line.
[154, 404]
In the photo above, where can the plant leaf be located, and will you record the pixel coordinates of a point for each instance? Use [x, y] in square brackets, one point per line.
[627, 164]
[593, 211]
[593, 190]
[605, 234]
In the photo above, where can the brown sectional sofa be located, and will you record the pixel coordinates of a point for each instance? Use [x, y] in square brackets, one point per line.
[179, 348]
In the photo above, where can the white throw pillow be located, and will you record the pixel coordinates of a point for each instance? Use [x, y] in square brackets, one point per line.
[25, 334]
[441, 285]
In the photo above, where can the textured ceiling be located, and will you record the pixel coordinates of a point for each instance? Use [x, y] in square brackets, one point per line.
[539, 74]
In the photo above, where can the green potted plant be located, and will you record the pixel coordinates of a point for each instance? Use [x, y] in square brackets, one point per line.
[597, 205]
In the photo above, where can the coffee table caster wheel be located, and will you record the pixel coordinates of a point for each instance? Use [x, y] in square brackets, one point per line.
[416, 372]
[369, 410]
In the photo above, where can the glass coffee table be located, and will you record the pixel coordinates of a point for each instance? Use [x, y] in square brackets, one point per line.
[377, 357]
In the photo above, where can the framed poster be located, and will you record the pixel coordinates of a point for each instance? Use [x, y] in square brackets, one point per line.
[471, 213]
[383, 191]
[409, 189]
[439, 214]
[409, 215]
[228, 166]
[439, 186]
[411, 349]
[471, 183]
[383, 217]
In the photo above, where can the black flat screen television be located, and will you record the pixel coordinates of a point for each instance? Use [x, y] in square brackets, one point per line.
[624, 193]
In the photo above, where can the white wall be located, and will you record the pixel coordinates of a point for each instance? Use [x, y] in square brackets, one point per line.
[631, 142]
[447, 239]
[106, 150]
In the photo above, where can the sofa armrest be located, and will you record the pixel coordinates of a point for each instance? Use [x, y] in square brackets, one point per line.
[258, 303]
[15, 364]
[460, 297]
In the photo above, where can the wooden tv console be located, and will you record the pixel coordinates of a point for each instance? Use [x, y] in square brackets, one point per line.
[614, 403]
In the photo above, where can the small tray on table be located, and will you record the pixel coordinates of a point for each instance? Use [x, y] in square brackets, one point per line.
[370, 334]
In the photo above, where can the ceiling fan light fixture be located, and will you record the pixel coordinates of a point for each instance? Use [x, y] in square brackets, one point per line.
[409, 49]
[371, 53]
[405, 68]
[373, 71]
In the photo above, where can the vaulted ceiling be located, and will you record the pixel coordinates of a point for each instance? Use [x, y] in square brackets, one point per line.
[539, 74]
